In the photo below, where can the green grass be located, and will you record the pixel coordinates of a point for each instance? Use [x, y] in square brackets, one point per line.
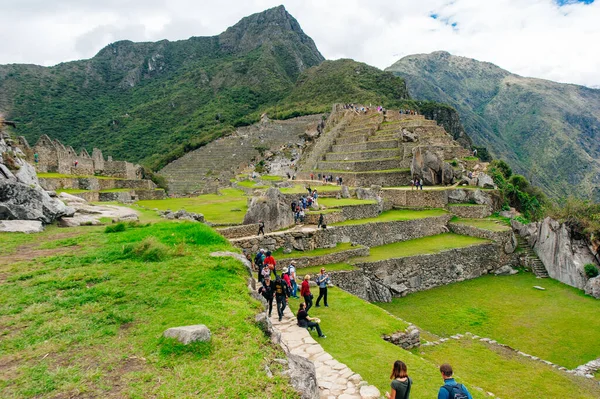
[396, 215]
[250, 184]
[420, 246]
[300, 189]
[506, 374]
[91, 321]
[509, 310]
[343, 246]
[354, 328]
[338, 203]
[271, 178]
[229, 207]
[486, 224]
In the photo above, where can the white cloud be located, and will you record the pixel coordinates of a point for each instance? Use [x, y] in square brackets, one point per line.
[528, 37]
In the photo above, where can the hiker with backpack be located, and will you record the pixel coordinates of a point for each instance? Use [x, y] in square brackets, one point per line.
[401, 382]
[451, 389]
[294, 284]
[270, 263]
[258, 262]
[281, 295]
[267, 290]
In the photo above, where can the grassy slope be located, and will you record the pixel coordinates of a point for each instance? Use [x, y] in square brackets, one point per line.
[397, 214]
[90, 322]
[419, 246]
[228, 207]
[511, 311]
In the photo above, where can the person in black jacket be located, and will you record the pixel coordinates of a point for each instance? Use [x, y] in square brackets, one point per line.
[281, 295]
[267, 290]
[306, 322]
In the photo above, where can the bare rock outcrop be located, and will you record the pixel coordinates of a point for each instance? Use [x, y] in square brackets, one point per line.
[563, 254]
[592, 287]
[430, 167]
[272, 208]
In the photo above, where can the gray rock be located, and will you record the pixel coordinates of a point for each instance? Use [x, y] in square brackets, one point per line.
[505, 271]
[26, 173]
[369, 392]
[409, 137]
[272, 208]
[430, 167]
[345, 192]
[21, 226]
[303, 376]
[189, 334]
[68, 199]
[19, 201]
[485, 181]
[537, 287]
[592, 287]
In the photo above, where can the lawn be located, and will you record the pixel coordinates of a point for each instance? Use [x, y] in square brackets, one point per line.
[227, 208]
[559, 324]
[395, 215]
[250, 184]
[271, 178]
[343, 246]
[486, 224]
[354, 328]
[506, 374]
[90, 321]
[338, 203]
[419, 246]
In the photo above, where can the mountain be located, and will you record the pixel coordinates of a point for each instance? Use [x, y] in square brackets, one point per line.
[140, 101]
[548, 131]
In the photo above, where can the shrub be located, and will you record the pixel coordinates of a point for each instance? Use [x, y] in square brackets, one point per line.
[591, 270]
[454, 163]
[115, 228]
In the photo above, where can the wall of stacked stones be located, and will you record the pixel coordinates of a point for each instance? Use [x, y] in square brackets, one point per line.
[93, 183]
[470, 210]
[301, 241]
[416, 199]
[379, 179]
[418, 273]
[504, 240]
[245, 230]
[329, 218]
[337, 257]
[154, 194]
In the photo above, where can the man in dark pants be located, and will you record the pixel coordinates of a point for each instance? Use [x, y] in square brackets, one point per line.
[261, 227]
[281, 295]
[267, 290]
[322, 281]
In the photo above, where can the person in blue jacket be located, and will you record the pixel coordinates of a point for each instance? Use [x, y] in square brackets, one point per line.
[451, 389]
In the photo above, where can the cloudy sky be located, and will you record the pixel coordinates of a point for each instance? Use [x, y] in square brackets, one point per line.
[551, 39]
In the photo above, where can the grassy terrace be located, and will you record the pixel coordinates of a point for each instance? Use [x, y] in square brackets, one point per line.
[60, 176]
[90, 321]
[396, 215]
[343, 246]
[486, 224]
[420, 246]
[271, 178]
[228, 207]
[559, 324]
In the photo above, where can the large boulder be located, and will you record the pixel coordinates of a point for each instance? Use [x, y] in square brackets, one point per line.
[430, 167]
[272, 208]
[303, 376]
[592, 287]
[485, 181]
[19, 201]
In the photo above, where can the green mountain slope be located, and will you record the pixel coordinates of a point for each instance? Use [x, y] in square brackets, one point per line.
[138, 101]
[548, 131]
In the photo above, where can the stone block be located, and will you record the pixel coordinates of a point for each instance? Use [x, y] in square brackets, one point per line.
[189, 334]
[21, 226]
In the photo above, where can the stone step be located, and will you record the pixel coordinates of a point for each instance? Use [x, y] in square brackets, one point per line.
[365, 146]
[362, 155]
[361, 166]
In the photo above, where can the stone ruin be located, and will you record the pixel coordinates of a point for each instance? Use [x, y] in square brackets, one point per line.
[55, 157]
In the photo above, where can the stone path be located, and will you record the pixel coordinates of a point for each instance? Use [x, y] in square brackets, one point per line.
[335, 379]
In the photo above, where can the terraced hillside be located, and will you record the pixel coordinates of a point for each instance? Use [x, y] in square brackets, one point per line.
[219, 160]
[372, 148]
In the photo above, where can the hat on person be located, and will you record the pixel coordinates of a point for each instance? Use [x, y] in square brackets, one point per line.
[285, 269]
[293, 262]
[268, 277]
[262, 250]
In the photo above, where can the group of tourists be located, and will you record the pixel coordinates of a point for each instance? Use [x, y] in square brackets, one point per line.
[305, 202]
[408, 112]
[401, 383]
[416, 183]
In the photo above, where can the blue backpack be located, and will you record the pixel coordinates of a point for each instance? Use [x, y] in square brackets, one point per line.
[456, 391]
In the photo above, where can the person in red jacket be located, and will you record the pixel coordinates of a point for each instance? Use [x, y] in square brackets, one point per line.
[270, 261]
[286, 277]
[305, 292]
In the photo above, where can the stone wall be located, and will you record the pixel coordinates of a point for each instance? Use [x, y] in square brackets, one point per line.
[417, 273]
[337, 257]
[154, 194]
[416, 198]
[504, 240]
[93, 183]
[244, 230]
[329, 218]
[407, 339]
[563, 254]
[299, 240]
[470, 210]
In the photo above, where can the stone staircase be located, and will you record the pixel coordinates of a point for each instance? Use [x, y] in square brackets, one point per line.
[371, 148]
[537, 266]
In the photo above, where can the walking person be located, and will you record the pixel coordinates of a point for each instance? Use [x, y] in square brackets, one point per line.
[267, 290]
[281, 295]
[305, 292]
[451, 389]
[259, 262]
[261, 228]
[401, 382]
[292, 273]
[308, 322]
[270, 263]
[321, 221]
[322, 281]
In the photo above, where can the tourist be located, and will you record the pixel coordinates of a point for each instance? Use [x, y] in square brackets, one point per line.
[261, 228]
[475, 152]
[319, 176]
[36, 158]
[293, 206]
[322, 281]
[341, 180]
[421, 184]
[308, 322]
[75, 163]
[267, 290]
[312, 176]
[266, 272]
[309, 189]
[302, 214]
[305, 292]
[281, 295]
[270, 263]
[321, 221]
[259, 262]
[292, 273]
[401, 383]
[451, 389]
[288, 175]
[286, 277]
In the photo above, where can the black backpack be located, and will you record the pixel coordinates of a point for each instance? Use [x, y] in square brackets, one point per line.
[456, 391]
